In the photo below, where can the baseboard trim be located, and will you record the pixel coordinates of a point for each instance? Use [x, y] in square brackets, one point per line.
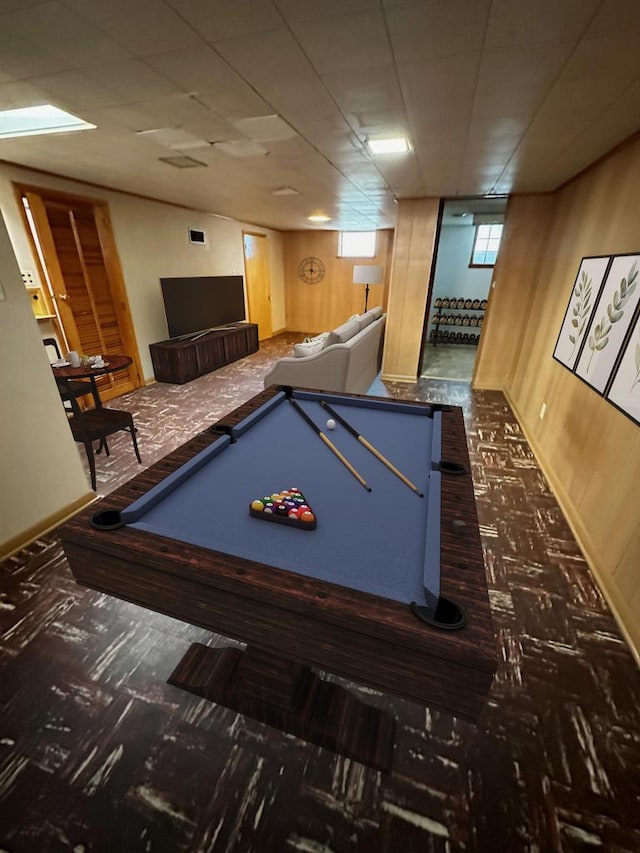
[392, 377]
[44, 526]
[618, 606]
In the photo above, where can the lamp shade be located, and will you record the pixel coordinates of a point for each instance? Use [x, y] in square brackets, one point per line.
[368, 274]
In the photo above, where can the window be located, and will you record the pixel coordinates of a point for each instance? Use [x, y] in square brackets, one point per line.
[485, 246]
[357, 244]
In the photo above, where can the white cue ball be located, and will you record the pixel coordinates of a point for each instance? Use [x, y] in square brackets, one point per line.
[331, 424]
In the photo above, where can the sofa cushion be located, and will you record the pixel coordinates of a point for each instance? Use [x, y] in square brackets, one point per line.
[310, 346]
[374, 312]
[341, 334]
[365, 320]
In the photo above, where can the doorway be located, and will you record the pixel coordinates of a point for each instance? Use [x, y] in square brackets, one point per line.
[256, 270]
[468, 241]
[73, 244]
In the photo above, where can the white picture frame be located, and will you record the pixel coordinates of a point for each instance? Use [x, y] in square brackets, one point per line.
[583, 299]
[609, 322]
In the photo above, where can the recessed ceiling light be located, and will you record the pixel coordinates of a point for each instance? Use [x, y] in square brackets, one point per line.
[33, 121]
[399, 145]
[319, 217]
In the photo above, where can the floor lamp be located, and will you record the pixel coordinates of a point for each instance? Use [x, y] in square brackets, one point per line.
[367, 275]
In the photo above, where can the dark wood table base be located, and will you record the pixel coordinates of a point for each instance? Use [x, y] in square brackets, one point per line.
[290, 697]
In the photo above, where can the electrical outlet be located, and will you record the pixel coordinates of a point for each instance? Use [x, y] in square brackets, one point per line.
[543, 409]
[28, 279]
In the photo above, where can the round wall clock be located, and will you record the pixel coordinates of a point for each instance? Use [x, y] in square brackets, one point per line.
[311, 270]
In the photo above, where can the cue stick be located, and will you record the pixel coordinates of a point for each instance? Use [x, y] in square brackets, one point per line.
[329, 444]
[371, 448]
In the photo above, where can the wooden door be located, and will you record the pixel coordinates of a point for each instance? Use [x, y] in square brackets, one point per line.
[78, 251]
[256, 271]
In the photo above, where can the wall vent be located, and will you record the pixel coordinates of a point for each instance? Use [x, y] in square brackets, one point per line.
[196, 236]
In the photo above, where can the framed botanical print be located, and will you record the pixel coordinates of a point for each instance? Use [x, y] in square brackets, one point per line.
[609, 322]
[582, 302]
[625, 388]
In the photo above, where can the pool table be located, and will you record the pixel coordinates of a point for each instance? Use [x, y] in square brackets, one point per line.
[388, 590]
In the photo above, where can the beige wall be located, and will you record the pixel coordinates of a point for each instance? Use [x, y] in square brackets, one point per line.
[589, 451]
[413, 256]
[152, 243]
[41, 477]
[320, 307]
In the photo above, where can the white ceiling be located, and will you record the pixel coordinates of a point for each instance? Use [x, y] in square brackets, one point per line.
[496, 96]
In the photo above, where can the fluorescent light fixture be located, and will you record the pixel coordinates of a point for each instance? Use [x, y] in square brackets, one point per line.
[399, 145]
[33, 121]
[319, 217]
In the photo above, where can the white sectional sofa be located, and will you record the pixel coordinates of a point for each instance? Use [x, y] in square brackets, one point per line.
[346, 359]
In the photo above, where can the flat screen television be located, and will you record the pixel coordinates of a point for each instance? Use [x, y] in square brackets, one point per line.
[197, 303]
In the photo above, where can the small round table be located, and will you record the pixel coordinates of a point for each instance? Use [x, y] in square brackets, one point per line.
[112, 364]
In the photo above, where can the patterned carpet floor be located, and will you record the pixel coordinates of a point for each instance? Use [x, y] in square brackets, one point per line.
[99, 753]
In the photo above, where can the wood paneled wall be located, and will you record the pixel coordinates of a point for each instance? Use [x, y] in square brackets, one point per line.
[413, 256]
[527, 223]
[320, 307]
[589, 451]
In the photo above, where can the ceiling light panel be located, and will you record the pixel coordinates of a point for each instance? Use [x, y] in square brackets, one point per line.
[397, 145]
[35, 121]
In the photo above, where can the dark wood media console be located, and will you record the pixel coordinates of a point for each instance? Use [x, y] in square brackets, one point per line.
[181, 361]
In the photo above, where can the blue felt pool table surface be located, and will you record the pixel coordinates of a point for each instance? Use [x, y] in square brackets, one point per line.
[380, 542]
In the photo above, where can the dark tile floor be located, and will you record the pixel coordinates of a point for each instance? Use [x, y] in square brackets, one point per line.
[98, 753]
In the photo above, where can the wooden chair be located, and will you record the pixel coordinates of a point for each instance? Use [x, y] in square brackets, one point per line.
[68, 388]
[95, 425]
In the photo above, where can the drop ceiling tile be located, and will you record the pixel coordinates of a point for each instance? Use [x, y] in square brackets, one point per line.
[216, 20]
[132, 81]
[362, 90]
[77, 90]
[311, 10]
[432, 29]
[616, 18]
[21, 59]
[20, 94]
[196, 68]
[515, 22]
[450, 81]
[508, 100]
[525, 64]
[143, 28]
[239, 102]
[191, 115]
[611, 57]
[592, 95]
[55, 30]
[267, 59]
[360, 41]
